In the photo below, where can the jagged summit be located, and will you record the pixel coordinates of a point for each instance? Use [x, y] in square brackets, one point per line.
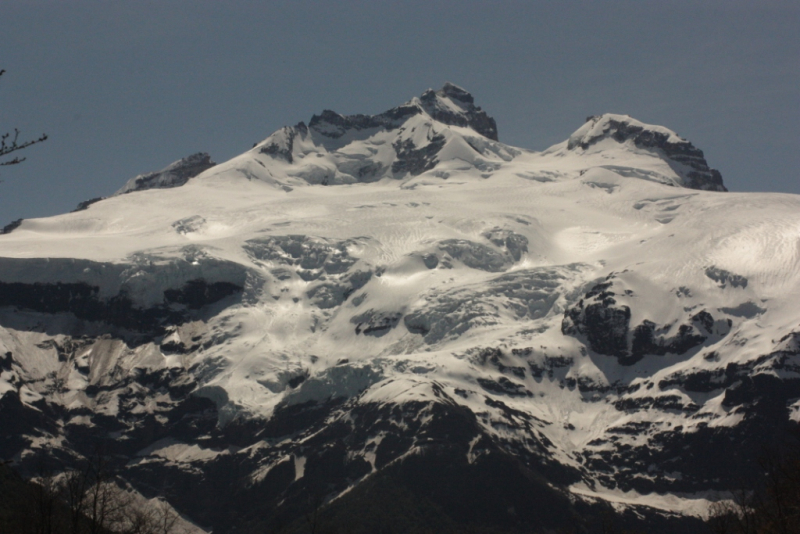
[450, 105]
[687, 160]
[438, 127]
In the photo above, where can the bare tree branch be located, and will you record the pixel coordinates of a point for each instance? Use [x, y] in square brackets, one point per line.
[9, 144]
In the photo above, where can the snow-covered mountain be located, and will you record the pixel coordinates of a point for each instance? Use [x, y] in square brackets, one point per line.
[514, 339]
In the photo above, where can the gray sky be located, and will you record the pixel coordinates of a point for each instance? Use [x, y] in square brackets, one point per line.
[124, 88]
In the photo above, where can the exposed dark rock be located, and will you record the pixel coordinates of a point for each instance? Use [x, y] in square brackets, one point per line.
[374, 323]
[504, 386]
[645, 340]
[514, 243]
[331, 124]
[450, 105]
[430, 260]
[604, 323]
[20, 422]
[606, 327]
[768, 392]
[174, 175]
[633, 428]
[415, 160]
[86, 203]
[663, 402]
[6, 361]
[198, 293]
[704, 320]
[297, 380]
[724, 278]
[736, 378]
[275, 149]
[82, 300]
[548, 365]
[10, 227]
[496, 358]
[469, 116]
[178, 347]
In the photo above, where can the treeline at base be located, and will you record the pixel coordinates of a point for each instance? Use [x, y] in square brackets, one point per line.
[88, 500]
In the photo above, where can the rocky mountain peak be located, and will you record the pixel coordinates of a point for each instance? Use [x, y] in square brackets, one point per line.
[450, 105]
[686, 160]
[459, 93]
[455, 106]
[407, 140]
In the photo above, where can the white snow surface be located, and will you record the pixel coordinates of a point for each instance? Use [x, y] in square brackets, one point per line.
[584, 216]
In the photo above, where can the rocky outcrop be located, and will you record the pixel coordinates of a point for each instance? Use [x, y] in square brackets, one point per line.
[415, 160]
[439, 105]
[725, 278]
[605, 325]
[281, 143]
[173, 175]
[375, 323]
[10, 227]
[84, 205]
[516, 244]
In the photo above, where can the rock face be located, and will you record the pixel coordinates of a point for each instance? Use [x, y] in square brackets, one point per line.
[174, 175]
[690, 161]
[450, 105]
[393, 323]
[454, 106]
[605, 324]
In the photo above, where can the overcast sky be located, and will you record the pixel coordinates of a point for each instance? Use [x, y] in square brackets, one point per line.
[124, 88]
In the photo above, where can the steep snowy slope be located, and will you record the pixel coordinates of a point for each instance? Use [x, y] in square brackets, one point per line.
[595, 323]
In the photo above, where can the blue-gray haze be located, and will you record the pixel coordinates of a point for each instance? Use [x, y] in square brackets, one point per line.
[124, 88]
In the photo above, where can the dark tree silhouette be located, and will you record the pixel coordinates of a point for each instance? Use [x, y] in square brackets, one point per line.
[770, 505]
[88, 499]
[10, 143]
